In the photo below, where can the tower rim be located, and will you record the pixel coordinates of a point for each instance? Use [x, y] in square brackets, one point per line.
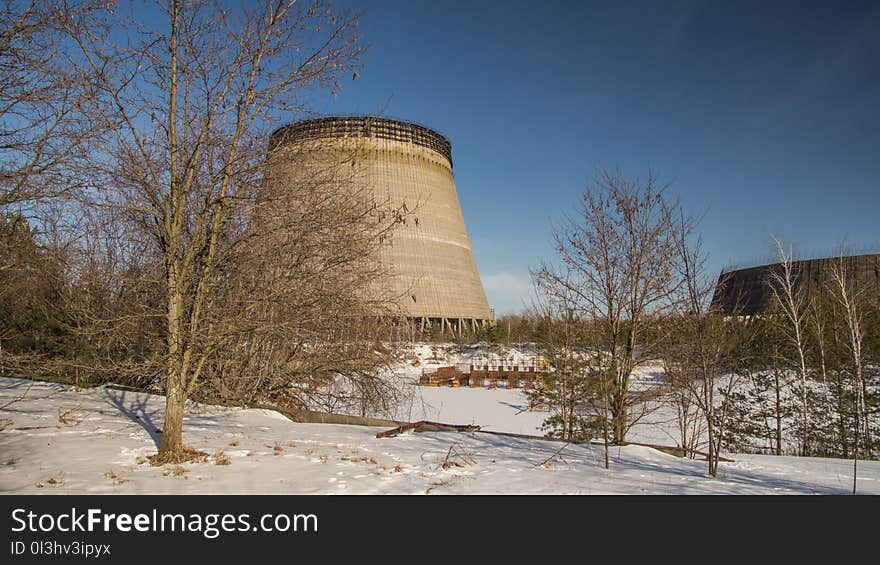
[362, 126]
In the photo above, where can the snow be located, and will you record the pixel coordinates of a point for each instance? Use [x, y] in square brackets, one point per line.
[56, 439]
[507, 410]
[499, 409]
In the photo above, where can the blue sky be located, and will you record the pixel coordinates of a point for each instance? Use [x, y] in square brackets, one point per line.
[764, 116]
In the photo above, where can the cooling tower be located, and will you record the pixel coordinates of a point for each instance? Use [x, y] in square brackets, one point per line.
[409, 167]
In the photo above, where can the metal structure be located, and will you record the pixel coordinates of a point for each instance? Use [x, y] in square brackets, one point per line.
[746, 292]
[491, 376]
[410, 167]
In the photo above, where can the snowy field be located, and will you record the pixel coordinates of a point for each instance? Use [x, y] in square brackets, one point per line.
[504, 410]
[59, 440]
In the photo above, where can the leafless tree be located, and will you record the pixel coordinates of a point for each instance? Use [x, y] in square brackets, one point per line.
[43, 133]
[298, 318]
[793, 301]
[849, 292]
[689, 420]
[617, 258]
[43, 125]
[187, 111]
[702, 353]
[572, 389]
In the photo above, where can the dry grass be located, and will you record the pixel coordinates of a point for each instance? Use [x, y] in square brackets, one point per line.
[436, 484]
[176, 471]
[187, 455]
[116, 479]
[70, 417]
[56, 480]
[457, 456]
[368, 460]
[220, 458]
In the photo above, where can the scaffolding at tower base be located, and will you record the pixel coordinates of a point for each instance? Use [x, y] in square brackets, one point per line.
[485, 376]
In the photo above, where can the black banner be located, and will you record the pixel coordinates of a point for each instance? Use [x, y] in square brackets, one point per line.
[134, 528]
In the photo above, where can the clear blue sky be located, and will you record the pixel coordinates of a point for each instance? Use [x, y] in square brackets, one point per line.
[764, 116]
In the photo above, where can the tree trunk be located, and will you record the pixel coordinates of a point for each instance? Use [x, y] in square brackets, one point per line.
[619, 415]
[709, 403]
[711, 455]
[856, 450]
[175, 385]
[778, 415]
[172, 429]
[865, 409]
[841, 419]
[605, 426]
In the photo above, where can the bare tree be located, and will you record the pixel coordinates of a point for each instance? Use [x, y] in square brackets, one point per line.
[300, 311]
[689, 419]
[702, 352]
[43, 131]
[820, 323]
[849, 293]
[618, 257]
[792, 299]
[572, 388]
[43, 125]
[188, 110]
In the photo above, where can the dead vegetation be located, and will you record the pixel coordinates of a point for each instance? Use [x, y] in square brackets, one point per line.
[55, 480]
[71, 417]
[186, 455]
[546, 463]
[457, 456]
[115, 479]
[367, 460]
[176, 471]
[445, 482]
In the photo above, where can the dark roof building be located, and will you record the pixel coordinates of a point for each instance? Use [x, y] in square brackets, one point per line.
[747, 291]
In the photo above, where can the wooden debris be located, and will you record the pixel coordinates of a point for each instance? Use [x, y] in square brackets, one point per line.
[425, 426]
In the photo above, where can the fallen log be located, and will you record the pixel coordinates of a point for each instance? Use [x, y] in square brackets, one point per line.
[678, 451]
[539, 438]
[425, 426]
[312, 417]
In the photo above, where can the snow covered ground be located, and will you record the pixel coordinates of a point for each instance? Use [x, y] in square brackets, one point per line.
[56, 439]
[504, 410]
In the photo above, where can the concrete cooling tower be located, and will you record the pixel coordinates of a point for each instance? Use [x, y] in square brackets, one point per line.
[409, 167]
